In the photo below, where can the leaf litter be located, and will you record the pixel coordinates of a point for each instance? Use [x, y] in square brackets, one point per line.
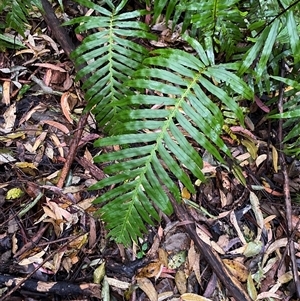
[52, 235]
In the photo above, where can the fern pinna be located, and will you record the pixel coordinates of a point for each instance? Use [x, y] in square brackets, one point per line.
[125, 86]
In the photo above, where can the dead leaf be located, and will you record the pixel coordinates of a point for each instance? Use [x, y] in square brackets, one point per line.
[193, 297]
[58, 125]
[6, 93]
[237, 269]
[260, 159]
[181, 281]
[148, 288]
[9, 119]
[275, 158]
[153, 269]
[65, 106]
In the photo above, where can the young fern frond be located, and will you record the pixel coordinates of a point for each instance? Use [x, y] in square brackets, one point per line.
[159, 148]
[111, 56]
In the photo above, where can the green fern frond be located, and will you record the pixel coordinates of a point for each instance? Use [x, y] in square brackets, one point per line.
[18, 11]
[290, 115]
[277, 27]
[111, 56]
[159, 140]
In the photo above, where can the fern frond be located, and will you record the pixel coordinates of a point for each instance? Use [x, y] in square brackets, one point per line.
[159, 140]
[291, 115]
[18, 11]
[277, 27]
[110, 54]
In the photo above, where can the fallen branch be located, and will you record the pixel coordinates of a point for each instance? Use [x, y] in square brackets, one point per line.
[212, 258]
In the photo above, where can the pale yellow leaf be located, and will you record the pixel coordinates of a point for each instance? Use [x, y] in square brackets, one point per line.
[258, 215]
[181, 281]
[148, 288]
[58, 125]
[65, 106]
[14, 193]
[6, 93]
[251, 287]
[275, 158]
[99, 273]
[193, 297]
[260, 159]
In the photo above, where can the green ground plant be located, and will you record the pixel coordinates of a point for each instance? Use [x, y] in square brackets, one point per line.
[237, 47]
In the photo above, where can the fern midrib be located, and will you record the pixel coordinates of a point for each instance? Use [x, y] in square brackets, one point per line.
[159, 140]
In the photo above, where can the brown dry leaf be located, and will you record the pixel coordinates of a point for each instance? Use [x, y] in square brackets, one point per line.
[58, 125]
[193, 297]
[65, 106]
[146, 285]
[181, 282]
[237, 269]
[163, 257]
[273, 192]
[236, 226]
[39, 108]
[153, 269]
[50, 66]
[57, 144]
[6, 93]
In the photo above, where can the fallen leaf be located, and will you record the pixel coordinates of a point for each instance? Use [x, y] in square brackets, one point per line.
[14, 193]
[6, 93]
[65, 106]
[181, 282]
[99, 273]
[237, 269]
[148, 288]
[193, 297]
[58, 125]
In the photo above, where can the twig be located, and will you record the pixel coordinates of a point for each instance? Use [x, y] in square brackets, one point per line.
[286, 186]
[21, 281]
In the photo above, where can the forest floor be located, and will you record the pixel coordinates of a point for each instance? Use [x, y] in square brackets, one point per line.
[53, 246]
